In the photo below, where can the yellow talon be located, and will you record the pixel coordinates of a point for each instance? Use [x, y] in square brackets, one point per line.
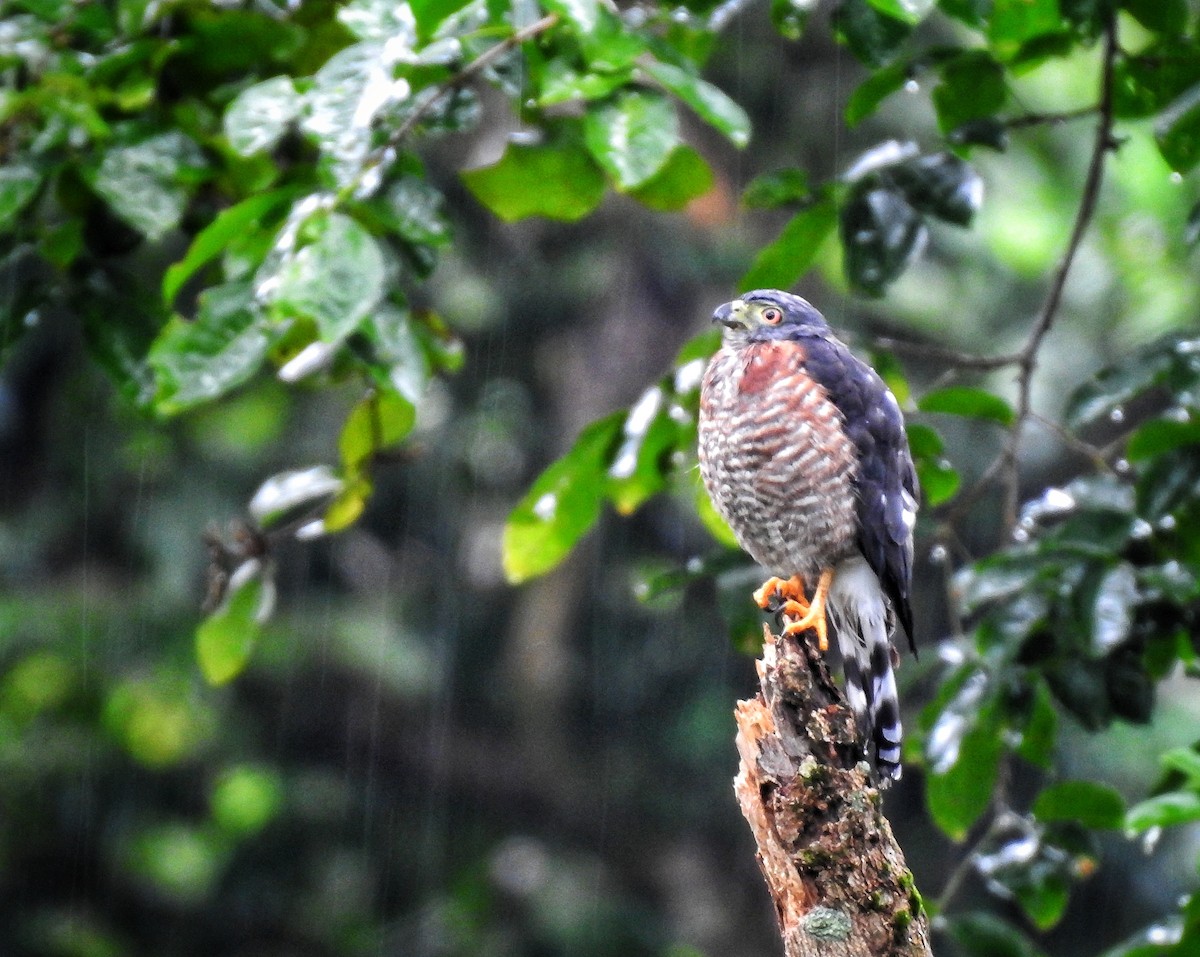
[814, 615]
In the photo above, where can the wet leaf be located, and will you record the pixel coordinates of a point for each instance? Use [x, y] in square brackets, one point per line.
[562, 84]
[709, 102]
[336, 280]
[19, 183]
[968, 402]
[909, 11]
[1173, 360]
[377, 422]
[1177, 131]
[582, 15]
[143, 182]
[558, 182]
[228, 225]
[1164, 810]
[940, 481]
[412, 209]
[775, 189]
[261, 114]
[959, 795]
[632, 136]
[198, 360]
[226, 638]
[1112, 612]
[972, 87]
[876, 88]
[345, 509]
[287, 495]
[784, 261]
[562, 504]
[398, 345]
[873, 37]
[429, 14]
[1091, 804]
[882, 234]
[1040, 730]
[685, 177]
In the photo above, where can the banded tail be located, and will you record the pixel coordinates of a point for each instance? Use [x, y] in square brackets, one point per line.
[862, 624]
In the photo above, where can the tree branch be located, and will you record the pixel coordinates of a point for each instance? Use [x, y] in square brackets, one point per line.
[832, 866]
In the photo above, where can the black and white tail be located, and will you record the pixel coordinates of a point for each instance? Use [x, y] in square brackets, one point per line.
[859, 613]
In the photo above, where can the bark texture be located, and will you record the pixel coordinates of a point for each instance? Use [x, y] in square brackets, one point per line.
[831, 863]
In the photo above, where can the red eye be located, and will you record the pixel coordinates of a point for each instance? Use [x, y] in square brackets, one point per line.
[772, 316]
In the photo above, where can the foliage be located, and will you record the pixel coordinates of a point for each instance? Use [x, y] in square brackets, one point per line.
[230, 198]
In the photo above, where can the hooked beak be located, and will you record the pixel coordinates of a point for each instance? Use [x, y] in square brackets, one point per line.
[731, 315]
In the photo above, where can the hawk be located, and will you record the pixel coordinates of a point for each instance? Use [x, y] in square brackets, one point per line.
[803, 452]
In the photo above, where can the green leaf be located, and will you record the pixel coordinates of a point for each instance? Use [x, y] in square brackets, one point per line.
[959, 795]
[1162, 16]
[873, 37]
[684, 178]
[412, 209]
[583, 15]
[19, 183]
[336, 280]
[429, 14]
[562, 84]
[971, 12]
[1166, 361]
[1091, 804]
[968, 402]
[939, 480]
[261, 114]
[225, 639]
[881, 234]
[612, 47]
[1146, 83]
[347, 506]
[142, 182]
[710, 103]
[1164, 810]
[1159, 436]
[1187, 762]
[229, 225]
[909, 11]
[558, 182]
[789, 17]
[1040, 729]
[877, 87]
[198, 360]
[377, 422]
[784, 261]
[291, 495]
[985, 935]
[1015, 22]
[1177, 131]
[562, 505]
[775, 189]
[632, 136]
[397, 345]
[972, 87]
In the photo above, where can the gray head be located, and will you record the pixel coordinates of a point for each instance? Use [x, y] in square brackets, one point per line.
[766, 314]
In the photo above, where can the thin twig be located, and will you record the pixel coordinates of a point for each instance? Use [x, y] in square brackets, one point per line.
[1095, 454]
[1038, 119]
[950, 357]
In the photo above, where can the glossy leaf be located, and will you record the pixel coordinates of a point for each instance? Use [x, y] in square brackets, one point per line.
[226, 638]
[873, 37]
[909, 11]
[289, 495]
[1091, 804]
[632, 137]
[710, 104]
[958, 796]
[142, 182]
[683, 178]
[877, 87]
[562, 84]
[1168, 360]
[412, 209]
[198, 360]
[336, 280]
[882, 234]
[429, 14]
[1014, 23]
[939, 481]
[261, 114]
[558, 182]
[1164, 810]
[1177, 131]
[397, 343]
[19, 183]
[968, 402]
[228, 225]
[972, 87]
[561, 505]
[784, 261]
[583, 15]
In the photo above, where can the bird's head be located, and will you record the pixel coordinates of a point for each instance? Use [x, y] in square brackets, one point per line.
[770, 314]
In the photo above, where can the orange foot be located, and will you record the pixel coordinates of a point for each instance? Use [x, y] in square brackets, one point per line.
[812, 614]
[780, 590]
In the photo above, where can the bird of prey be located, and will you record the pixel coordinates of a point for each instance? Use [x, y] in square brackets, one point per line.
[803, 452]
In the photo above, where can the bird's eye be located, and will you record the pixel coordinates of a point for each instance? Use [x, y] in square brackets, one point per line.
[772, 316]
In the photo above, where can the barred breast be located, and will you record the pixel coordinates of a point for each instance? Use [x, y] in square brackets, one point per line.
[776, 459]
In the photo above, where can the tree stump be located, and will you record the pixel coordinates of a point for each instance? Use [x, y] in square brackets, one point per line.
[832, 866]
